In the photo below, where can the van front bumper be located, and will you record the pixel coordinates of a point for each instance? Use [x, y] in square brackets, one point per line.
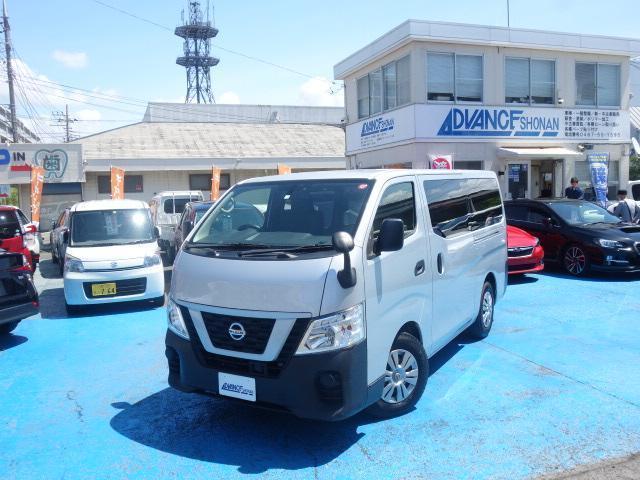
[77, 284]
[323, 386]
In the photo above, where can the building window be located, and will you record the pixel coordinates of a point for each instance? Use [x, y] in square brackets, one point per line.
[529, 81]
[202, 181]
[597, 84]
[375, 92]
[454, 77]
[363, 97]
[132, 184]
[384, 89]
[468, 165]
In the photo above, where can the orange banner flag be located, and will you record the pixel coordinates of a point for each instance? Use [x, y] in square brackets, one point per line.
[37, 180]
[117, 183]
[283, 169]
[215, 183]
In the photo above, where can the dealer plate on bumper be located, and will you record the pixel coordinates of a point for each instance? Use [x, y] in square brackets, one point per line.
[103, 289]
[237, 386]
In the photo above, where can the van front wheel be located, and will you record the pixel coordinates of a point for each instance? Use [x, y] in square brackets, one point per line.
[405, 378]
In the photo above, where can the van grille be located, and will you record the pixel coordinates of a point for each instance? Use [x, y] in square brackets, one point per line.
[124, 288]
[241, 366]
[257, 332]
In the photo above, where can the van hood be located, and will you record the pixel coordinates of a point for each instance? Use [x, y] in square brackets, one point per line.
[126, 256]
[292, 286]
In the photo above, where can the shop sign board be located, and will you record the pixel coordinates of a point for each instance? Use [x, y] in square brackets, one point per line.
[489, 123]
[62, 163]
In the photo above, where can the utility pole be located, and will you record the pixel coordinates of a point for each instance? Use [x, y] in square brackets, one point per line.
[7, 46]
[63, 118]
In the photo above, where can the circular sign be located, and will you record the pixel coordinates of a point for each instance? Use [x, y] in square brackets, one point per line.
[441, 163]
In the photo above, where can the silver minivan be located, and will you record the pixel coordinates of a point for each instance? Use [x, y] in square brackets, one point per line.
[326, 293]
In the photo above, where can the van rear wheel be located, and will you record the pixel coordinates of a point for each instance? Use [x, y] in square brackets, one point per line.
[405, 378]
[482, 325]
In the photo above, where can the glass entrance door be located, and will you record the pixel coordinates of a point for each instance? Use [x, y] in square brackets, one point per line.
[518, 178]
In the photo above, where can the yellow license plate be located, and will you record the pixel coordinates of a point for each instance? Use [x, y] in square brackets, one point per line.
[103, 289]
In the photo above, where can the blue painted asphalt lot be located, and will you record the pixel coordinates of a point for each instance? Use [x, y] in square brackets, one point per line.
[555, 385]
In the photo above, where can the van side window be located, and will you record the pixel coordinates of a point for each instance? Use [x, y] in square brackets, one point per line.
[457, 206]
[398, 201]
[516, 212]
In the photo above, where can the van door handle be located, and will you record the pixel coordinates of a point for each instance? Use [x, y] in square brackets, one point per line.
[440, 264]
[419, 270]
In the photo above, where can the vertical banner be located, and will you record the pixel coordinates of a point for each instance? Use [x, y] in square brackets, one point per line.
[599, 168]
[215, 183]
[441, 162]
[117, 183]
[283, 169]
[37, 180]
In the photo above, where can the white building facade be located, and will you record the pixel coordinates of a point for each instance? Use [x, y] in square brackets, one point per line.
[529, 105]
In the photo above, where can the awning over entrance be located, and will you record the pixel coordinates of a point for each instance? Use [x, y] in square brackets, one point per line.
[537, 152]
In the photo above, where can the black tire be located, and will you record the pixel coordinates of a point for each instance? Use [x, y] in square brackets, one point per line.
[171, 255]
[73, 310]
[7, 328]
[481, 327]
[575, 260]
[391, 403]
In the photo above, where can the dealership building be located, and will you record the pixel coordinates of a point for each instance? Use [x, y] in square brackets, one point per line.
[174, 148]
[533, 106]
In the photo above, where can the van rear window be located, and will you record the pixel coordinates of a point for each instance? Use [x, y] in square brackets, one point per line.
[462, 205]
[177, 204]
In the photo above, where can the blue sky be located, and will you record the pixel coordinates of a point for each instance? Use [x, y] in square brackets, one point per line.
[83, 44]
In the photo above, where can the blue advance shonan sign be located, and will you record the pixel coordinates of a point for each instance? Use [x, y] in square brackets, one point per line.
[377, 125]
[496, 122]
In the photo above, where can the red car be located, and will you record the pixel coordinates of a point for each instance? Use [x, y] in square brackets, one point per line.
[525, 252]
[17, 234]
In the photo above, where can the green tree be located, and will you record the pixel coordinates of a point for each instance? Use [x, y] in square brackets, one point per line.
[634, 167]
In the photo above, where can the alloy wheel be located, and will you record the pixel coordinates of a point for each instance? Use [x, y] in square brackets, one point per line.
[575, 260]
[487, 308]
[400, 377]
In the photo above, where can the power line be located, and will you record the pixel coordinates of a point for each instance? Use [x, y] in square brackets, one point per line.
[228, 50]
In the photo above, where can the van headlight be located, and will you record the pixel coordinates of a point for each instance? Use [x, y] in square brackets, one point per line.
[175, 321]
[335, 331]
[72, 264]
[152, 260]
[603, 242]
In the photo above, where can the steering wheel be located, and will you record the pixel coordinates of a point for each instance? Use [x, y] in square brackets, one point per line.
[248, 225]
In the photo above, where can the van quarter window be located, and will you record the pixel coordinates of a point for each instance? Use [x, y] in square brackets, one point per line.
[398, 201]
[457, 206]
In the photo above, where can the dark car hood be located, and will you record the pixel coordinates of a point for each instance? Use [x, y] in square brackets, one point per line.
[611, 231]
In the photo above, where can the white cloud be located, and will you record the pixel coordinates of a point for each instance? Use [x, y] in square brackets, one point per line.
[87, 114]
[70, 59]
[317, 91]
[228, 98]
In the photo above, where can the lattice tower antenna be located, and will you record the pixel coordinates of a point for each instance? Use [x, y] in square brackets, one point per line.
[197, 34]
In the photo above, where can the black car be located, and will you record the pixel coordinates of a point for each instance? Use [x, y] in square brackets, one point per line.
[18, 295]
[579, 235]
[192, 213]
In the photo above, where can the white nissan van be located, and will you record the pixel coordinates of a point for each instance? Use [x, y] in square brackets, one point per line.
[325, 293]
[111, 255]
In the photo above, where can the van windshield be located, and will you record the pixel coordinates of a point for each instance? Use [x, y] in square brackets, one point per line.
[102, 228]
[284, 214]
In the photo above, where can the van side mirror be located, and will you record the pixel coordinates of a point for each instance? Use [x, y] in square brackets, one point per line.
[31, 228]
[391, 237]
[188, 226]
[156, 232]
[343, 243]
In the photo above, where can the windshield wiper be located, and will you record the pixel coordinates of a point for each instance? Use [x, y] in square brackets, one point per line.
[285, 250]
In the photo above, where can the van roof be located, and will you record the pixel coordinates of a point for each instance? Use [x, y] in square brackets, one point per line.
[369, 174]
[177, 193]
[108, 205]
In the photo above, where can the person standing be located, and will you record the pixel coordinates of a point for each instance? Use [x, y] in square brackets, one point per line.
[626, 209]
[574, 192]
